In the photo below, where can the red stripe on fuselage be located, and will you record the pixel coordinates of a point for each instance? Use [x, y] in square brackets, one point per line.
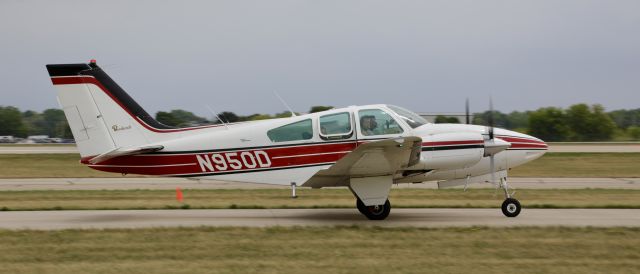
[520, 140]
[293, 156]
[160, 164]
[522, 143]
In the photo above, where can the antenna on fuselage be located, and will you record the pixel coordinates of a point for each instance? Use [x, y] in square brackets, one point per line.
[293, 114]
[217, 117]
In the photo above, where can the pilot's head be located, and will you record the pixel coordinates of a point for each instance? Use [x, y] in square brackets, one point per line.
[368, 122]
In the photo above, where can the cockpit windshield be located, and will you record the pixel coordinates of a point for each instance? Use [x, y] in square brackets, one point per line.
[411, 118]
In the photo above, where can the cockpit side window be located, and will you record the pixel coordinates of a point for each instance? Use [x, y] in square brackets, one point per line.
[336, 126]
[377, 122]
[297, 131]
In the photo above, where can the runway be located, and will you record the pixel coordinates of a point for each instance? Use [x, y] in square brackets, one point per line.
[595, 147]
[424, 217]
[553, 147]
[171, 183]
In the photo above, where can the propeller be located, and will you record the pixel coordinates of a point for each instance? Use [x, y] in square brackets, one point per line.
[492, 139]
[490, 119]
[493, 146]
[466, 113]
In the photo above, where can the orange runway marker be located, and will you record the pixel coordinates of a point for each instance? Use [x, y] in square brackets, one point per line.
[179, 195]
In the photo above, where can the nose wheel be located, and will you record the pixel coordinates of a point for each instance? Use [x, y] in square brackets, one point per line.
[510, 207]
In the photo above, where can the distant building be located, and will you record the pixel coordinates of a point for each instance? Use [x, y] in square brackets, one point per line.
[38, 137]
[7, 139]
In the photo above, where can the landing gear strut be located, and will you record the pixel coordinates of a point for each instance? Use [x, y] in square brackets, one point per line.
[377, 212]
[510, 207]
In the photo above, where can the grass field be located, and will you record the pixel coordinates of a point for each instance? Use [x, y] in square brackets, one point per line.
[323, 250]
[309, 198]
[550, 165]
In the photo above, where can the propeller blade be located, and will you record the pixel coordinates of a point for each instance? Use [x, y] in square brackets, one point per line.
[492, 156]
[467, 115]
[490, 118]
[493, 169]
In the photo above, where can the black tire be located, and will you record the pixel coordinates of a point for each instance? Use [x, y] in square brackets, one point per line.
[379, 212]
[361, 207]
[511, 207]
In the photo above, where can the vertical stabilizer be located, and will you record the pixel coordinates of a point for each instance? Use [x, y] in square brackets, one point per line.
[102, 116]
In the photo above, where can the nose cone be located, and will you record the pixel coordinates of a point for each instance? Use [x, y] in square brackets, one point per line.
[524, 148]
[520, 141]
[525, 142]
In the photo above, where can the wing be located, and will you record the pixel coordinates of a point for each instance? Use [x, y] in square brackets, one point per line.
[373, 159]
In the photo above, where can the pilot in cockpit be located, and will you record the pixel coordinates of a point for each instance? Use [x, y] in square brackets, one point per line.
[368, 125]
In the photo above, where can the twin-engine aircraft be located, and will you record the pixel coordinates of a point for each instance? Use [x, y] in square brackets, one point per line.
[365, 148]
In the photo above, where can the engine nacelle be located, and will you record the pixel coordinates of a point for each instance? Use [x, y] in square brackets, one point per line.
[446, 151]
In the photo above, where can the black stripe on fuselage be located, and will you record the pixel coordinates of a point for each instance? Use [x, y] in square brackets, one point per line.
[247, 148]
[301, 144]
[438, 148]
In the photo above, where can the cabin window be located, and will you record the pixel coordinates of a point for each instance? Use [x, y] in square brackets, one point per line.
[377, 122]
[301, 130]
[336, 126]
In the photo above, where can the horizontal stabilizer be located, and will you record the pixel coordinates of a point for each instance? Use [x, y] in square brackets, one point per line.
[123, 152]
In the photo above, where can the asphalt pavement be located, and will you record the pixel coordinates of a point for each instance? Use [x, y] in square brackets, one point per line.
[171, 183]
[422, 217]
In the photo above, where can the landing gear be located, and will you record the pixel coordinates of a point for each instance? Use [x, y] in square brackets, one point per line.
[377, 212]
[510, 207]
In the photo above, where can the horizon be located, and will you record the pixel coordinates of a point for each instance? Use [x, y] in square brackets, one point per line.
[208, 116]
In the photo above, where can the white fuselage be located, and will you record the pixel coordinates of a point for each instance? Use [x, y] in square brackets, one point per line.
[244, 151]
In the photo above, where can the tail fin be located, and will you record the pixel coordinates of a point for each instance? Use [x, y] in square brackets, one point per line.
[102, 116]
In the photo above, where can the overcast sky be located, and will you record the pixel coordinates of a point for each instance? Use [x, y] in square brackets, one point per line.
[425, 55]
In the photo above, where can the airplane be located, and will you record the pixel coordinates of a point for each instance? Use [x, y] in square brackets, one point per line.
[365, 148]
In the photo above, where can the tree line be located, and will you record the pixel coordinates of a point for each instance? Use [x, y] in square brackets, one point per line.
[580, 122]
[18, 123]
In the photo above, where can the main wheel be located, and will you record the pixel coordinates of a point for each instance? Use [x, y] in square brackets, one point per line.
[377, 212]
[511, 207]
[361, 207]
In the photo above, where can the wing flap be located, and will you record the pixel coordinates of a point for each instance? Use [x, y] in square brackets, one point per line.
[373, 159]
